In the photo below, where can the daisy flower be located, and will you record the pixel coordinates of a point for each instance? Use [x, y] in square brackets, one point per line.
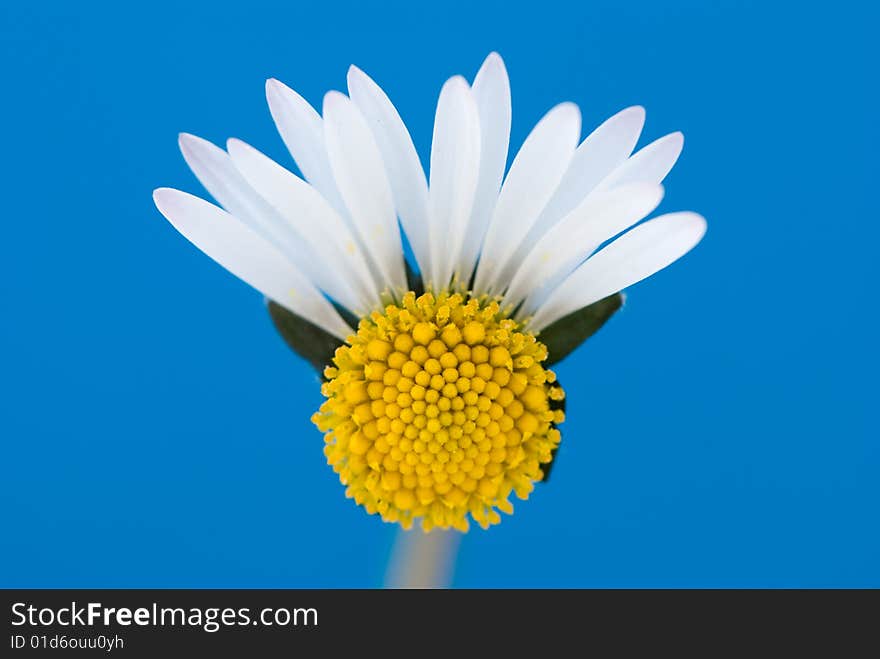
[434, 306]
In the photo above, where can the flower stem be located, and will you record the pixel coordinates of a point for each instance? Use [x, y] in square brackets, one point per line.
[423, 560]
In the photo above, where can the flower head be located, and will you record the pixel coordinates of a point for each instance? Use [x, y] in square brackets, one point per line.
[439, 403]
[439, 408]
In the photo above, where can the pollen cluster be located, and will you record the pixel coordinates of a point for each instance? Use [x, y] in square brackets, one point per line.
[439, 409]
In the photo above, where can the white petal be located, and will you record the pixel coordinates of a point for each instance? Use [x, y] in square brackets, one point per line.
[636, 255]
[602, 152]
[405, 173]
[559, 251]
[533, 178]
[342, 271]
[650, 164]
[455, 166]
[216, 171]
[361, 180]
[302, 130]
[248, 256]
[491, 91]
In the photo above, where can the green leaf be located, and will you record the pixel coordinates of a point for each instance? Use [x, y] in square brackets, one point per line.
[306, 339]
[567, 333]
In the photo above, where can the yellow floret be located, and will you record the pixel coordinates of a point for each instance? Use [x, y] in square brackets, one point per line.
[438, 410]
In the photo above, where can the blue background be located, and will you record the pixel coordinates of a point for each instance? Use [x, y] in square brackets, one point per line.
[721, 430]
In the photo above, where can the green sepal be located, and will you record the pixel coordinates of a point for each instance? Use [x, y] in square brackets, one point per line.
[306, 339]
[347, 315]
[414, 279]
[567, 333]
[546, 468]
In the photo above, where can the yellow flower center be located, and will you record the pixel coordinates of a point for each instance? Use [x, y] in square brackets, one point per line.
[438, 409]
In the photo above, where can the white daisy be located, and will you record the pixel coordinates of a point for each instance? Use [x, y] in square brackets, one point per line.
[440, 405]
